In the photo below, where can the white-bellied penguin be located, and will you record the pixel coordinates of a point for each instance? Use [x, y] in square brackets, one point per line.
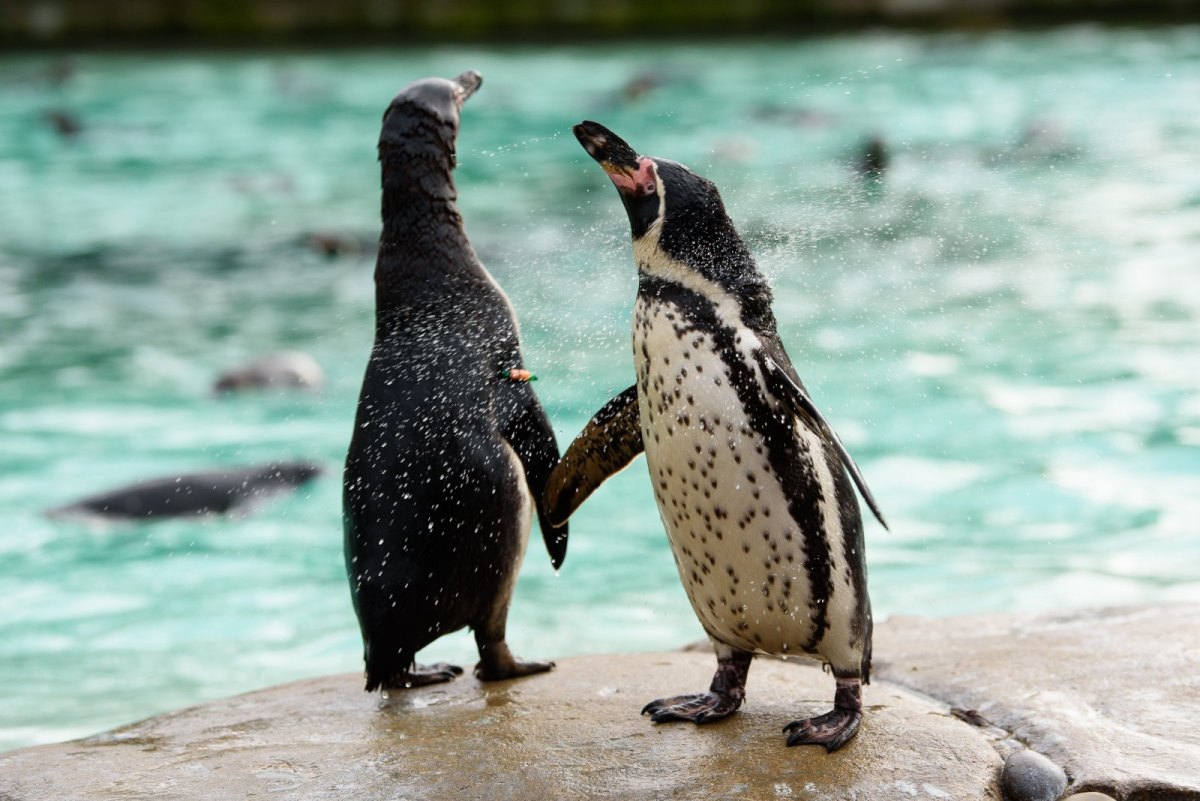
[450, 445]
[750, 479]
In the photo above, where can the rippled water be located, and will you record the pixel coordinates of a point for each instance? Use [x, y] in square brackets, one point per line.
[1007, 335]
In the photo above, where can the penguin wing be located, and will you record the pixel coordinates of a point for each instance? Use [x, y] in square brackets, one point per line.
[610, 441]
[789, 389]
[530, 435]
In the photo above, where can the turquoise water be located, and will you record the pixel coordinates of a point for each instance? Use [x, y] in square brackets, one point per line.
[1006, 336]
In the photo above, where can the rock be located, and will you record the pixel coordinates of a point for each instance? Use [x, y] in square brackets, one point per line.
[1109, 694]
[574, 733]
[1029, 776]
[1089, 797]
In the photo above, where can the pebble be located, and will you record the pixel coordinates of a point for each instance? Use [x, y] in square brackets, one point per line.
[1029, 776]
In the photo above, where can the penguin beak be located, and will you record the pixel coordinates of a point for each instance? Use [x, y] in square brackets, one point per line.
[631, 174]
[468, 83]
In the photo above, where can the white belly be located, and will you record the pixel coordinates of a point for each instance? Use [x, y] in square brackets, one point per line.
[740, 554]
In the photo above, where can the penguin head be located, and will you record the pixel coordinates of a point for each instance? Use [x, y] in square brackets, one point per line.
[422, 121]
[672, 208]
[636, 177]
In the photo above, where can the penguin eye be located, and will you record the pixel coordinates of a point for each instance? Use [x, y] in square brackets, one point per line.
[650, 187]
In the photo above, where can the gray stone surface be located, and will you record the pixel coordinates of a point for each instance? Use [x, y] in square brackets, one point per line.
[1029, 776]
[574, 733]
[1110, 695]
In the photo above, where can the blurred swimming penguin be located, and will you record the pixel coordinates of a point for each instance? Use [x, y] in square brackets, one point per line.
[65, 123]
[450, 446]
[215, 492]
[872, 159]
[285, 369]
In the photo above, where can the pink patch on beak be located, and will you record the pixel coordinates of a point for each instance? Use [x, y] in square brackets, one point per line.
[642, 181]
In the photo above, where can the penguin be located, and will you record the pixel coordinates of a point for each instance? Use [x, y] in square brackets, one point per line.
[450, 446]
[234, 490]
[872, 161]
[281, 369]
[752, 483]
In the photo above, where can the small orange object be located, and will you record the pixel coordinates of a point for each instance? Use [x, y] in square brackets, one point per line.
[517, 374]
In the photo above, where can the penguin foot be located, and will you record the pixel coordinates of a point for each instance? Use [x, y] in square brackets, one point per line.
[724, 696]
[497, 663]
[424, 675]
[512, 669]
[697, 707]
[835, 728]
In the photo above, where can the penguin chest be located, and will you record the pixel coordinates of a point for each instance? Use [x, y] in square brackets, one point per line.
[740, 554]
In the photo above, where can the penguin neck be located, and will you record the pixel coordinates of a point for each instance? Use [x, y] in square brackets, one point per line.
[416, 193]
[423, 249]
[729, 279]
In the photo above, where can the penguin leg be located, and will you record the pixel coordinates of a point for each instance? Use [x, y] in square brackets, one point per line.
[496, 661]
[833, 729]
[724, 696]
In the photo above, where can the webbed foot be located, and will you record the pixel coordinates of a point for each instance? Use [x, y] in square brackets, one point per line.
[497, 663]
[697, 707]
[724, 696]
[835, 728]
[424, 675]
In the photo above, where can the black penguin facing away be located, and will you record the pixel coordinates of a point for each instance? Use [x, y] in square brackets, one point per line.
[751, 481]
[450, 446]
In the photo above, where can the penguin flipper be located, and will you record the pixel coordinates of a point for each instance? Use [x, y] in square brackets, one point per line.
[610, 441]
[530, 435]
[784, 387]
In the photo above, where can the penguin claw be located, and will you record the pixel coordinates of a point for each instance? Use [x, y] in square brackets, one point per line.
[832, 730]
[697, 708]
